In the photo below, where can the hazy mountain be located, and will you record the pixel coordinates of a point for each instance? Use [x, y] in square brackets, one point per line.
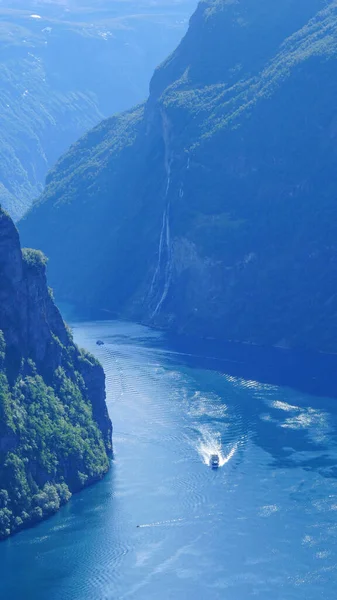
[64, 66]
[211, 209]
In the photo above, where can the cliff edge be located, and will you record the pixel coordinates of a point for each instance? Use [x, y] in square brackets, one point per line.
[55, 432]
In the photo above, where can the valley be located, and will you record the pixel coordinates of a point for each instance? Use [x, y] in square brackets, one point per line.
[64, 67]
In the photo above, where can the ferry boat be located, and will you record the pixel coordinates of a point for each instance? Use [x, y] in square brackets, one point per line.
[214, 461]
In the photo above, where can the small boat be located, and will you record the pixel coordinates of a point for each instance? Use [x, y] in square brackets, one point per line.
[100, 343]
[214, 461]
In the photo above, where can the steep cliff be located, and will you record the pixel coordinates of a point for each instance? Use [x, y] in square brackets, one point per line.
[55, 432]
[212, 208]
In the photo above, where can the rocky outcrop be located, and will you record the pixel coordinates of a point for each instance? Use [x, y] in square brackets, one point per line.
[55, 431]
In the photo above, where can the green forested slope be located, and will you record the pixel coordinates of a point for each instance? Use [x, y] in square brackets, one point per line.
[212, 209]
[55, 432]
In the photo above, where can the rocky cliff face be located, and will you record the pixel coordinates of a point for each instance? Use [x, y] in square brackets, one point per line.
[211, 209]
[55, 432]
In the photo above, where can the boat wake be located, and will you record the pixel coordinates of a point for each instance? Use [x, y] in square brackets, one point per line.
[210, 443]
[162, 523]
[182, 521]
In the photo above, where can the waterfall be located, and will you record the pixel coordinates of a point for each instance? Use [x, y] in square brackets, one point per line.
[162, 276]
[164, 248]
[168, 266]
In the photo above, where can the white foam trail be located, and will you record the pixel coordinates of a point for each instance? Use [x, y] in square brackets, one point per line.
[161, 523]
[210, 443]
[185, 520]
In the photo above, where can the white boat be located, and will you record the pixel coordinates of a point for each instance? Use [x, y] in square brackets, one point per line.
[214, 461]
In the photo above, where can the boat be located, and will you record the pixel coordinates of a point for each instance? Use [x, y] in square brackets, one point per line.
[100, 343]
[214, 461]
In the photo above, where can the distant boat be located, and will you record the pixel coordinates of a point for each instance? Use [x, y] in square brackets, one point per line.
[100, 343]
[214, 461]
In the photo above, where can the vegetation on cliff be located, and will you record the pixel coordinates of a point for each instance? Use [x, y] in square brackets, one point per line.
[55, 433]
[212, 209]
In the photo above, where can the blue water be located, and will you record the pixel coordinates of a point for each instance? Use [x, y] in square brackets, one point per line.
[262, 526]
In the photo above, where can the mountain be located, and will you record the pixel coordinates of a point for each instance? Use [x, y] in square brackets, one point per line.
[63, 67]
[211, 209]
[55, 432]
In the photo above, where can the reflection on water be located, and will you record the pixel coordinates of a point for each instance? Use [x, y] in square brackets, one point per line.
[163, 524]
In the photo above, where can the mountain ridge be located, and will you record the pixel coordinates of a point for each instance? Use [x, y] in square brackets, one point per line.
[64, 67]
[207, 220]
